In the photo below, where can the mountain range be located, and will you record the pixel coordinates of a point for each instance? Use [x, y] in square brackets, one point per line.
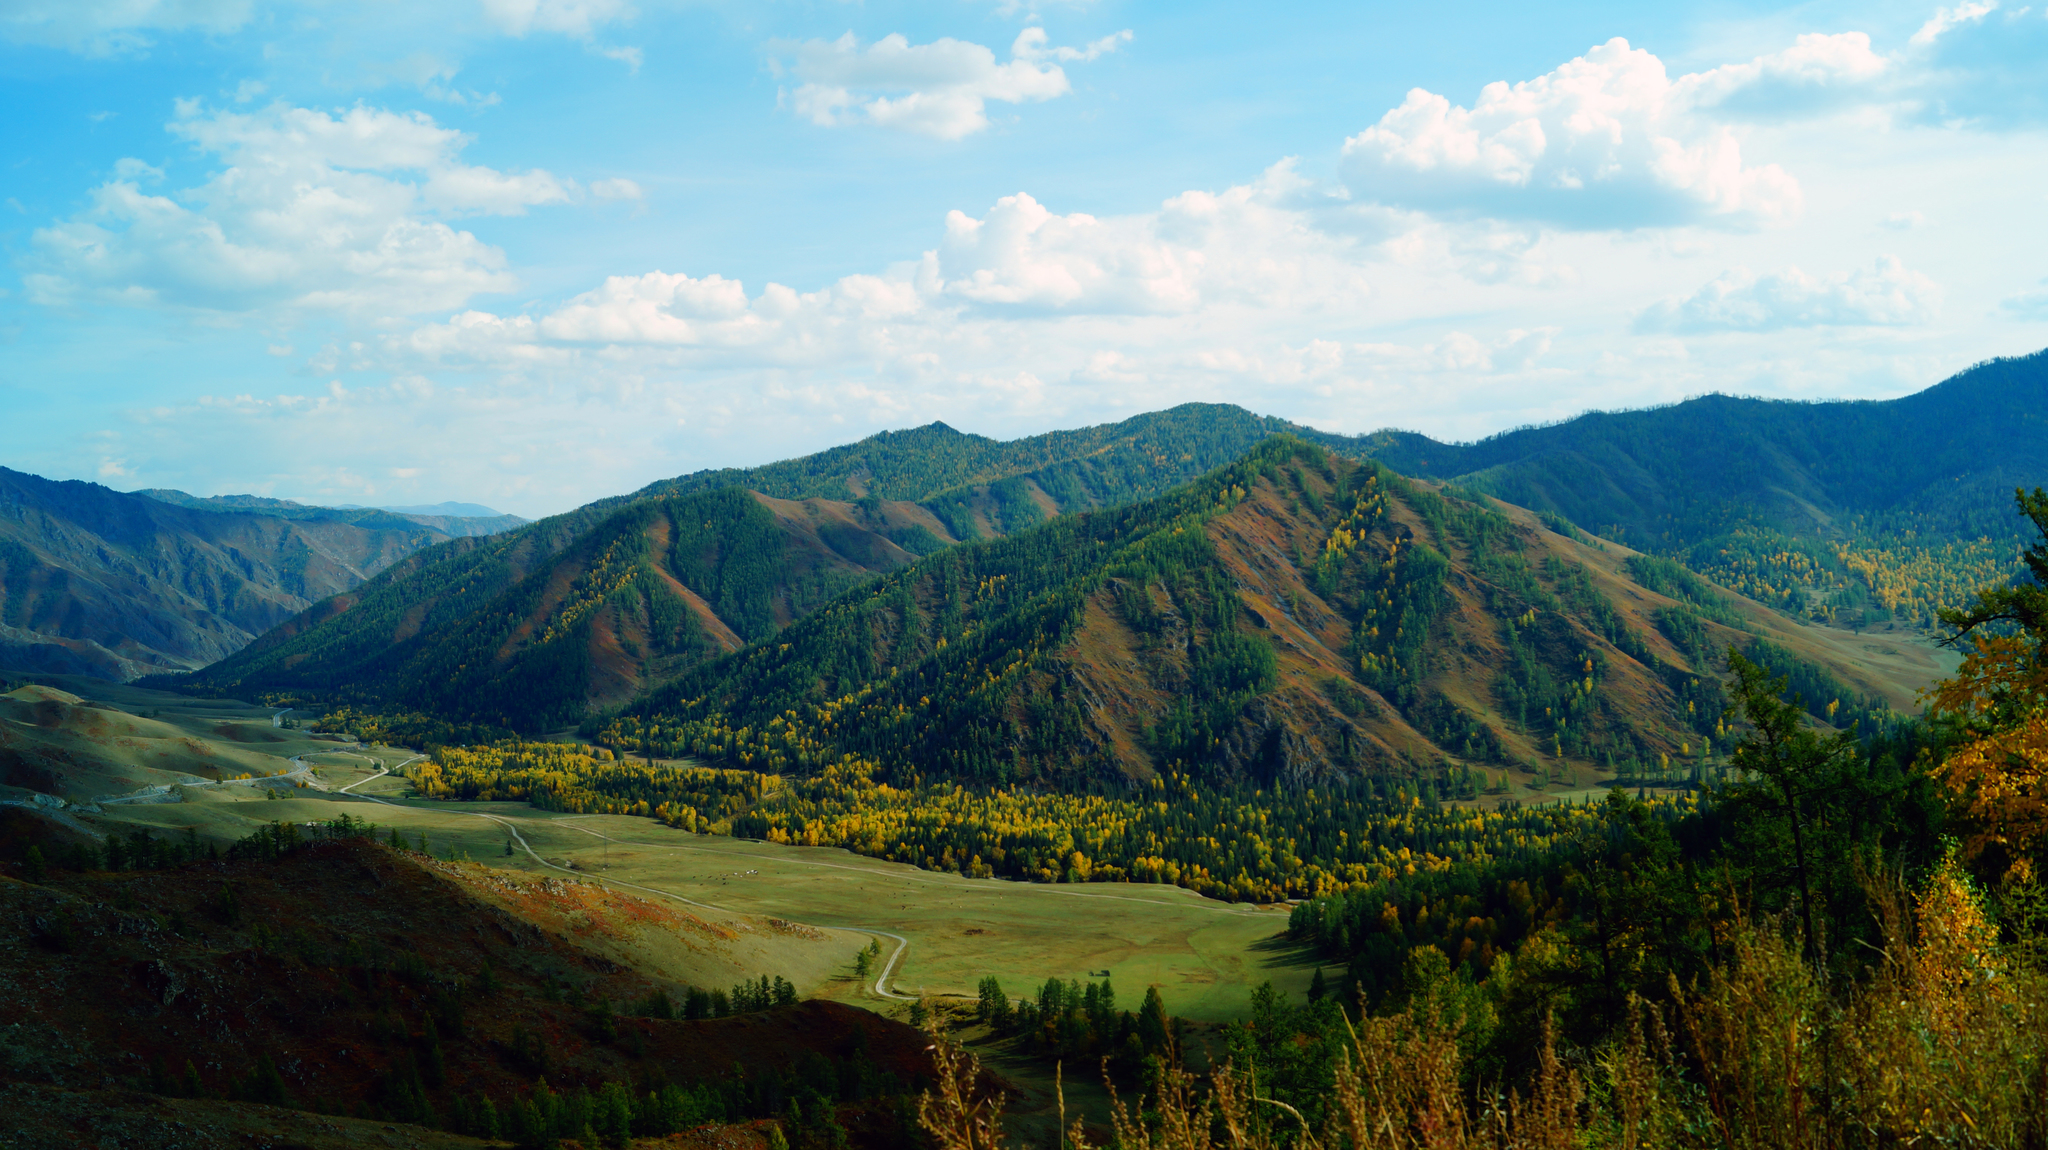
[1812, 509]
[119, 585]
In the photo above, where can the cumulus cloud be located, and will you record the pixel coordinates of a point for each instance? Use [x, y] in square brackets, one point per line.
[1887, 295]
[1818, 72]
[1608, 140]
[615, 189]
[1246, 246]
[310, 209]
[1022, 256]
[115, 27]
[940, 89]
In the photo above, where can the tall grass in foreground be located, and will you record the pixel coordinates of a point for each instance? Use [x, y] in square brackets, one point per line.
[1940, 1043]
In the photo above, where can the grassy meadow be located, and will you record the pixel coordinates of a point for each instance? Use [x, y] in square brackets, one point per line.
[1205, 956]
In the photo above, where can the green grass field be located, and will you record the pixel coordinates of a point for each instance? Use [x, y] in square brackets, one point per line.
[1205, 956]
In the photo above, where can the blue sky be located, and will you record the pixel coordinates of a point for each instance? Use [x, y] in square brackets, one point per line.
[533, 252]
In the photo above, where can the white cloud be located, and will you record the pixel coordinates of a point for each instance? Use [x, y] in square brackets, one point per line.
[1605, 141]
[115, 27]
[1887, 295]
[1030, 45]
[616, 189]
[310, 210]
[1945, 19]
[940, 89]
[630, 57]
[1022, 256]
[1819, 71]
[575, 18]
[1905, 221]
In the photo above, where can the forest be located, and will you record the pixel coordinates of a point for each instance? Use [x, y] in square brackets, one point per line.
[1844, 944]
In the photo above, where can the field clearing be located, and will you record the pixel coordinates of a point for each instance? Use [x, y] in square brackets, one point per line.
[1205, 956]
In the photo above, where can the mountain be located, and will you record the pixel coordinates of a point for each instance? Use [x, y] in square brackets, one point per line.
[537, 625]
[450, 519]
[117, 585]
[534, 654]
[449, 509]
[1289, 617]
[982, 487]
[1845, 510]
[530, 628]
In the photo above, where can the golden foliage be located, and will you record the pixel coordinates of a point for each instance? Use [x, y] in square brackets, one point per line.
[1999, 777]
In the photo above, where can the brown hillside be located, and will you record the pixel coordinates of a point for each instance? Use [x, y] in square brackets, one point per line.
[334, 960]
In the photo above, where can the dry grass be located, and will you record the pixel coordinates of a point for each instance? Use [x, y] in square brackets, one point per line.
[1940, 1044]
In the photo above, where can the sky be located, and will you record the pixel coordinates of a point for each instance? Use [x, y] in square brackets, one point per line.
[529, 253]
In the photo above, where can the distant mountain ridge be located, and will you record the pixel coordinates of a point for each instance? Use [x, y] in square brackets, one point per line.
[1864, 506]
[451, 519]
[95, 581]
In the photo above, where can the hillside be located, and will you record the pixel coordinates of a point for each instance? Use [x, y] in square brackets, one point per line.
[529, 628]
[99, 582]
[1848, 511]
[324, 970]
[1294, 617]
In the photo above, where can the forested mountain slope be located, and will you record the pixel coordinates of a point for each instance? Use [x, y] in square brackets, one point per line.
[815, 526]
[1834, 509]
[979, 486]
[529, 628]
[94, 581]
[1288, 617]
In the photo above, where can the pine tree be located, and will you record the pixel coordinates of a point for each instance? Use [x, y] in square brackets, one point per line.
[32, 866]
[1317, 988]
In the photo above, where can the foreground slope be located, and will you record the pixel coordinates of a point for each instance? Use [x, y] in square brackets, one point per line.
[1292, 617]
[350, 978]
[98, 582]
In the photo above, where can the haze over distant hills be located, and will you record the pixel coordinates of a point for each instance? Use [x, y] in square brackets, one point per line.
[118, 585]
[452, 519]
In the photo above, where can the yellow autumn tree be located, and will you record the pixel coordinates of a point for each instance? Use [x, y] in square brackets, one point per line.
[1999, 774]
